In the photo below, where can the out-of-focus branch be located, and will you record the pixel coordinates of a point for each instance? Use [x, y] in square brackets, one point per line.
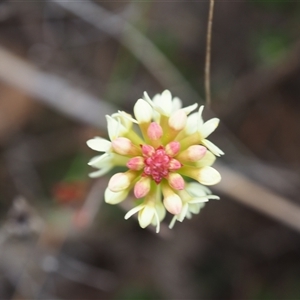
[250, 193]
[53, 90]
[141, 47]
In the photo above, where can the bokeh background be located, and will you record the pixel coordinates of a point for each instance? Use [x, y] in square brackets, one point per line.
[64, 65]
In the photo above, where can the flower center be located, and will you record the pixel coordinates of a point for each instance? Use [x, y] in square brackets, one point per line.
[157, 164]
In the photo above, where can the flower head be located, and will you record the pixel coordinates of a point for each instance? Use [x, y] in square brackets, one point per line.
[172, 146]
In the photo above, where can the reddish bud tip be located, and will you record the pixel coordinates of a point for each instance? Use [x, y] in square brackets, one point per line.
[148, 150]
[196, 152]
[136, 163]
[142, 187]
[173, 204]
[176, 181]
[172, 148]
[154, 131]
[174, 164]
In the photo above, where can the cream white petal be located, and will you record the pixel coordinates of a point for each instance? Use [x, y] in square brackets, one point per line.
[162, 103]
[165, 104]
[209, 176]
[167, 96]
[176, 104]
[190, 108]
[213, 197]
[100, 160]
[212, 147]
[198, 200]
[133, 211]
[161, 211]
[146, 215]
[156, 116]
[195, 208]
[125, 118]
[156, 222]
[207, 160]
[191, 123]
[97, 161]
[94, 159]
[200, 119]
[148, 99]
[100, 172]
[143, 111]
[156, 100]
[189, 214]
[114, 198]
[183, 212]
[208, 127]
[99, 144]
[173, 221]
[197, 189]
[177, 120]
[115, 128]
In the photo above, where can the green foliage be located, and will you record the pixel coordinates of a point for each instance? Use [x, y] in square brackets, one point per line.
[134, 292]
[270, 47]
[78, 168]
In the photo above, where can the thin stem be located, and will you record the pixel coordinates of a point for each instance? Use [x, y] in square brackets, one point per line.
[208, 51]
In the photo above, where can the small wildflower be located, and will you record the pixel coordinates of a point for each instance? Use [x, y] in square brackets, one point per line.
[172, 147]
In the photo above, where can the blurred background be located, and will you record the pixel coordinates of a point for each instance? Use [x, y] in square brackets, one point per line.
[64, 65]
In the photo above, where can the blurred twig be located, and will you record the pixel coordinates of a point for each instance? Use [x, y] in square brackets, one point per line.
[249, 193]
[87, 274]
[53, 90]
[141, 47]
[91, 205]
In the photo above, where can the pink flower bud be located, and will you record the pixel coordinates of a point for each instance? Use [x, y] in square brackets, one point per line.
[124, 146]
[205, 175]
[173, 204]
[172, 148]
[154, 131]
[193, 153]
[174, 164]
[136, 163]
[142, 187]
[148, 150]
[196, 152]
[176, 181]
[121, 181]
